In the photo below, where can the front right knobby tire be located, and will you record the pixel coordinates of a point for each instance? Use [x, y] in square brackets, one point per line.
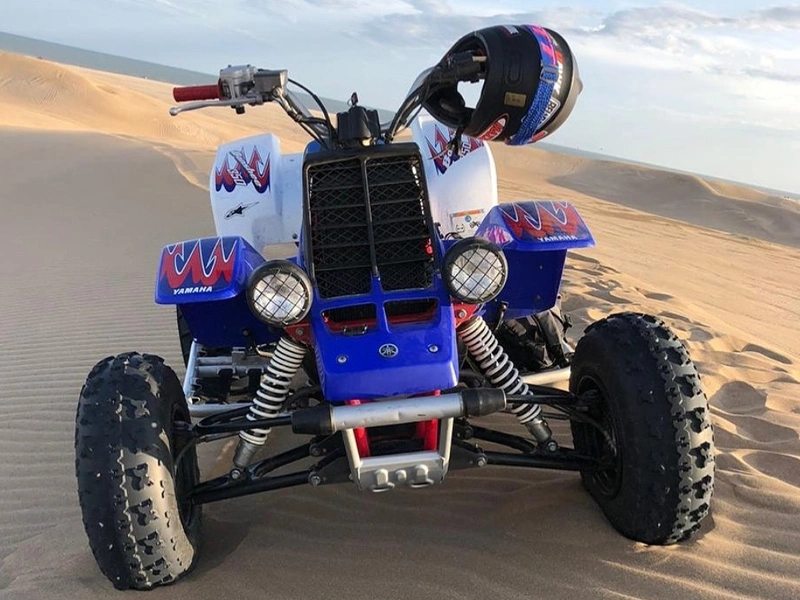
[142, 529]
[658, 447]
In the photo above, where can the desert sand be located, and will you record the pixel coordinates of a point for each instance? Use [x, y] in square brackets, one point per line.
[96, 177]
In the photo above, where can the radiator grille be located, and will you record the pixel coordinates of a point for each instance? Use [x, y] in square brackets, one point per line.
[369, 215]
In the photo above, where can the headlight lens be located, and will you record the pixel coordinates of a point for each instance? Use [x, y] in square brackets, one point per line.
[279, 293]
[475, 270]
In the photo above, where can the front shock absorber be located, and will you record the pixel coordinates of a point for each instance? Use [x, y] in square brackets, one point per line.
[270, 397]
[496, 366]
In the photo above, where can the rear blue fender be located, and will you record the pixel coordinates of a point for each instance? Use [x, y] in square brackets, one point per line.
[535, 237]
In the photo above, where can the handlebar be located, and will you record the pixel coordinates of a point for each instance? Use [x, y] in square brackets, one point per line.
[196, 92]
[243, 85]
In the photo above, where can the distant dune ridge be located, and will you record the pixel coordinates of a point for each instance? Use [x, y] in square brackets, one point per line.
[87, 201]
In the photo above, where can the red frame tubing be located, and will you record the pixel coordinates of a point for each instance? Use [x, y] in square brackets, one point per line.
[428, 431]
[196, 92]
[300, 332]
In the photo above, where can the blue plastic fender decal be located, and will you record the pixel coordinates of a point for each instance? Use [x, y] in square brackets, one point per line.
[205, 269]
[536, 224]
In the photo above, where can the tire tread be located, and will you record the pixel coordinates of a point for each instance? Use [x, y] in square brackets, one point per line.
[669, 491]
[124, 469]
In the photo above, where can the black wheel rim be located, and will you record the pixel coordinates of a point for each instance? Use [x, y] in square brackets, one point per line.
[601, 441]
[185, 470]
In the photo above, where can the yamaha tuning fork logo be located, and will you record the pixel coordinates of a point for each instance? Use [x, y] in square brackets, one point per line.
[388, 351]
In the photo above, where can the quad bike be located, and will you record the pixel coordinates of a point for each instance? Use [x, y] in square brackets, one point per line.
[408, 304]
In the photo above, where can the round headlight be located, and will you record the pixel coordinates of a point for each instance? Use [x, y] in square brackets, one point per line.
[475, 270]
[279, 293]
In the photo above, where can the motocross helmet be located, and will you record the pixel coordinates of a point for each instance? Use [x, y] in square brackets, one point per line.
[531, 84]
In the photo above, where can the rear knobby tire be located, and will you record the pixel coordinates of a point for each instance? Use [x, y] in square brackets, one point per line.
[660, 476]
[141, 529]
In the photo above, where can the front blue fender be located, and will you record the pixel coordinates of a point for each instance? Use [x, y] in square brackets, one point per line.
[205, 270]
[208, 278]
[535, 237]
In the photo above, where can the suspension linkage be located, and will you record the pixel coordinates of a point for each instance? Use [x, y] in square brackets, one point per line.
[234, 421]
[240, 424]
[552, 397]
[257, 477]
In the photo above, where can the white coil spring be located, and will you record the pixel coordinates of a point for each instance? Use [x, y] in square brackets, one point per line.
[496, 366]
[274, 387]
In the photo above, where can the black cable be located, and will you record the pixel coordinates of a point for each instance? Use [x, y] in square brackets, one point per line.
[312, 120]
[310, 130]
[328, 122]
[312, 133]
[411, 118]
[418, 98]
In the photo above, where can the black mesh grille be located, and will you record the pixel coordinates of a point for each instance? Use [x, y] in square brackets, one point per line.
[400, 221]
[339, 229]
[360, 224]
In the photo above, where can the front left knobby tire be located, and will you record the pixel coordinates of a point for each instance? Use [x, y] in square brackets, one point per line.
[142, 529]
[648, 422]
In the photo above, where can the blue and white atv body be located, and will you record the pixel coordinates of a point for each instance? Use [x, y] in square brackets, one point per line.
[258, 198]
[375, 298]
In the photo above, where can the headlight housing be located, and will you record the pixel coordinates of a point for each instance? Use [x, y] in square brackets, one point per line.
[475, 270]
[279, 293]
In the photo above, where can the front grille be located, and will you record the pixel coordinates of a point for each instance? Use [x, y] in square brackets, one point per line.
[369, 215]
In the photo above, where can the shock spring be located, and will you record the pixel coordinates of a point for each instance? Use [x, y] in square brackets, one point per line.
[497, 367]
[270, 397]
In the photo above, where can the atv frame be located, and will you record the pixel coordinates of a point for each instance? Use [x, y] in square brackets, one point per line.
[332, 449]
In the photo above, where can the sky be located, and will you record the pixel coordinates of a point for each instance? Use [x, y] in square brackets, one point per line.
[711, 87]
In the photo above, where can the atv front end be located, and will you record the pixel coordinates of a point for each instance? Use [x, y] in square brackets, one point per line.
[381, 344]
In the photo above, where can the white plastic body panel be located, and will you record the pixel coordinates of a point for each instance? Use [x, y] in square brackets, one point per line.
[463, 190]
[256, 192]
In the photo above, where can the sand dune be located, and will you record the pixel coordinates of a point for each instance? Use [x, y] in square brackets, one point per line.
[691, 199]
[714, 204]
[39, 94]
[84, 218]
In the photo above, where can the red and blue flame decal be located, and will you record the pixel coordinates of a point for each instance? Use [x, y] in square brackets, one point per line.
[206, 269]
[192, 264]
[443, 158]
[548, 222]
[242, 168]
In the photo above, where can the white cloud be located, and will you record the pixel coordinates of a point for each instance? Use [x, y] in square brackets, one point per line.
[751, 59]
[653, 71]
